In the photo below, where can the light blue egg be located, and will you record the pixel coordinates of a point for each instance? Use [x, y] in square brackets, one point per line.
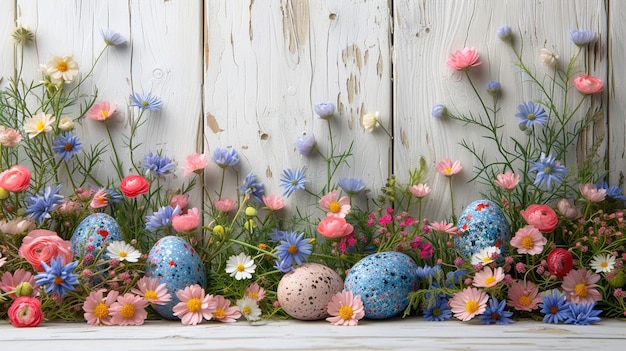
[383, 280]
[177, 264]
[483, 224]
[97, 229]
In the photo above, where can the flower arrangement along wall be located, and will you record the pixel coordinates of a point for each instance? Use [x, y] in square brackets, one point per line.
[545, 242]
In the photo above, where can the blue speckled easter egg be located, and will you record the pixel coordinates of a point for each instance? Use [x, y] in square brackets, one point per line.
[483, 224]
[177, 264]
[384, 281]
[97, 229]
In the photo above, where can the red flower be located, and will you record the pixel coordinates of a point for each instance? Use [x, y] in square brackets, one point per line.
[25, 311]
[134, 185]
[560, 262]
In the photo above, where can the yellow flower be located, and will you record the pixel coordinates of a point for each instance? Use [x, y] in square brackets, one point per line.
[39, 123]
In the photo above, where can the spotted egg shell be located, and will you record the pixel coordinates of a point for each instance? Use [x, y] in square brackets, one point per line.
[384, 281]
[177, 264]
[482, 224]
[304, 292]
[97, 229]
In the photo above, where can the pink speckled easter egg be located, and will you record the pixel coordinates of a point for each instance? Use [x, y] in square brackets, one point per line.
[304, 292]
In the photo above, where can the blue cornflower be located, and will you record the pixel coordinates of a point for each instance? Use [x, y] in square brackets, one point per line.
[157, 165]
[225, 157]
[114, 196]
[283, 265]
[457, 277]
[554, 306]
[427, 272]
[46, 201]
[292, 180]
[66, 145]
[253, 188]
[146, 102]
[582, 37]
[493, 88]
[581, 313]
[293, 248]
[111, 37]
[439, 111]
[325, 110]
[495, 313]
[438, 311]
[305, 144]
[504, 33]
[57, 277]
[613, 192]
[531, 114]
[548, 171]
[351, 186]
[277, 235]
[161, 217]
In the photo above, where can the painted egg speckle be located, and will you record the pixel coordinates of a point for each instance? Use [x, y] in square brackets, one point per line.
[384, 281]
[304, 292]
[177, 264]
[482, 224]
[97, 229]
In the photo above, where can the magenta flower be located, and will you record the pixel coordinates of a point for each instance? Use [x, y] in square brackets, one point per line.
[529, 240]
[580, 286]
[345, 309]
[464, 59]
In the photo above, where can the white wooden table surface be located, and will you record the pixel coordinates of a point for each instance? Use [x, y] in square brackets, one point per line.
[396, 334]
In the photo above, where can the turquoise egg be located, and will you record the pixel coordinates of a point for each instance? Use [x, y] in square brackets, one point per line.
[177, 264]
[482, 224]
[384, 281]
[97, 229]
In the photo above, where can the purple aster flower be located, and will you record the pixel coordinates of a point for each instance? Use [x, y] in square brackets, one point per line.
[66, 145]
[293, 180]
[325, 110]
[225, 157]
[439, 111]
[531, 114]
[305, 144]
[46, 201]
[253, 188]
[293, 248]
[495, 313]
[161, 218]
[504, 33]
[581, 313]
[146, 102]
[582, 37]
[351, 186]
[157, 165]
[553, 306]
[548, 171]
[57, 278]
[437, 311]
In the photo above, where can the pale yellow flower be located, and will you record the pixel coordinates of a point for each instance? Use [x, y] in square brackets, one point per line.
[61, 69]
[66, 124]
[39, 123]
[548, 58]
[370, 121]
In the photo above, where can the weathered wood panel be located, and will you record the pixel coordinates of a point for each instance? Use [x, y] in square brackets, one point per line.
[616, 83]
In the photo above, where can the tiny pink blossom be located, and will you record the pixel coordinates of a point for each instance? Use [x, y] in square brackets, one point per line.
[591, 193]
[193, 305]
[101, 111]
[507, 181]
[273, 202]
[129, 309]
[464, 59]
[529, 240]
[419, 190]
[222, 310]
[195, 163]
[225, 205]
[152, 290]
[334, 206]
[447, 168]
[345, 309]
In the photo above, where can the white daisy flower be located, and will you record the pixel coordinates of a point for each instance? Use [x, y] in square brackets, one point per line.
[3, 260]
[240, 266]
[603, 263]
[249, 309]
[39, 123]
[485, 255]
[122, 251]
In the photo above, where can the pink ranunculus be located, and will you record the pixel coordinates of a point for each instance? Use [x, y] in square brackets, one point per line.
[15, 179]
[464, 59]
[181, 201]
[334, 227]
[588, 84]
[134, 185]
[25, 311]
[274, 202]
[507, 181]
[542, 217]
[195, 163]
[225, 205]
[41, 245]
[101, 111]
[9, 137]
[186, 222]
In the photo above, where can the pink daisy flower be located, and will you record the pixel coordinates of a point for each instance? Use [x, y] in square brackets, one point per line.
[97, 307]
[529, 240]
[195, 163]
[255, 292]
[224, 205]
[507, 181]
[10, 281]
[222, 310]
[345, 309]
[273, 202]
[99, 199]
[464, 59]
[468, 303]
[447, 168]
[193, 305]
[152, 290]
[579, 286]
[445, 227]
[523, 296]
[101, 111]
[487, 277]
[128, 309]
[419, 190]
[334, 206]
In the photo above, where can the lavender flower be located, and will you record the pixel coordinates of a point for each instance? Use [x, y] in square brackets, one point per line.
[582, 37]
[111, 37]
[161, 218]
[225, 157]
[57, 278]
[548, 171]
[293, 180]
[66, 145]
[495, 313]
[504, 33]
[146, 102]
[325, 110]
[158, 166]
[253, 188]
[531, 114]
[351, 186]
[46, 201]
[439, 111]
[493, 88]
[305, 144]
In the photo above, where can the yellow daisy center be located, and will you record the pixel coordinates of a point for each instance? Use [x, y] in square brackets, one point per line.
[293, 249]
[530, 116]
[194, 304]
[101, 310]
[528, 243]
[151, 295]
[241, 267]
[40, 126]
[246, 310]
[219, 313]
[346, 312]
[62, 66]
[144, 103]
[604, 264]
[486, 259]
[104, 113]
[334, 207]
[448, 171]
[122, 254]
[253, 295]
[581, 289]
[524, 300]
[490, 280]
[127, 311]
[471, 306]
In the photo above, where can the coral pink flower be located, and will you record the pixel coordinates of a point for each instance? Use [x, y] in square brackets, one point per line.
[445, 227]
[447, 168]
[523, 296]
[193, 305]
[186, 222]
[568, 210]
[10, 281]
[542, 217]
[468, 303]
[195, 163]
[529, 240]
[181, 201]
[464, 59]
[345, 309]
[25, 311]
[134, 185]
[9, 137]
[255, 292]
[579, 286]
[41, 245]
[222, 310]
[507, 180]
[101, 111]
[560, 262]
[333, 206]
[128, 309]
[591, 193]
[487, 277]
[152, 290]
[419, 190]
[225, 205]
[273, 202]
[588, 84]
[99, 199]
[334, 227]
[15, 179]
[97, 307]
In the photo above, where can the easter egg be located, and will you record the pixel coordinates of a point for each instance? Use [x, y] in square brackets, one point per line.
[482, 224]
[97, 229]
[384, 281]
[304, 292]
[177, 264]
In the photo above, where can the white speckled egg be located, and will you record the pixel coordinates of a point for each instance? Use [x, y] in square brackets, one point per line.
[177, 264]
[483, 224]
[97, 229]
[304, 292]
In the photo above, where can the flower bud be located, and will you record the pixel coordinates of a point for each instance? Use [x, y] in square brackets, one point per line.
[493, 88]
[618, 280]
[24, 289]
[504, 33]
[66, 124]
[3, 194]
[325, 110]
[439, 111]
[251, 211]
